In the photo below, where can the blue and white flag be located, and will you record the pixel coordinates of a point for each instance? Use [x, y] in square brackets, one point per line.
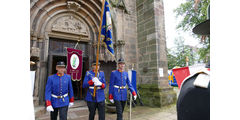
[106, 31]
[132, 75]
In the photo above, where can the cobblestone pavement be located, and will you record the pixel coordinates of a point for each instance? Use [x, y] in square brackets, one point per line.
[147, 113]
[138, 113]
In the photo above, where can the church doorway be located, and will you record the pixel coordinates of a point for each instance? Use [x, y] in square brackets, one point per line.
[57, 52]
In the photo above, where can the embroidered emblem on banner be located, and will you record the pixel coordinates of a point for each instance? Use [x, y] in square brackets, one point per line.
[74, 61]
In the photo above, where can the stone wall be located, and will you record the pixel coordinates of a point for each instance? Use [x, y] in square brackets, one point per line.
[152, 58]
[125, 21]
[130, 34]
[147, 44]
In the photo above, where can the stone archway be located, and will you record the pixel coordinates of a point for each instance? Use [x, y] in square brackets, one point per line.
[64, 19]
[65, 30]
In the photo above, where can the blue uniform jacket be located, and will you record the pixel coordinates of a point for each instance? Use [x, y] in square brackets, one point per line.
[120, 79]
[59, 85]
[100, 96]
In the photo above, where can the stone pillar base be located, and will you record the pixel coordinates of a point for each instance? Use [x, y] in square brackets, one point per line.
[36, 101]
[153, 96]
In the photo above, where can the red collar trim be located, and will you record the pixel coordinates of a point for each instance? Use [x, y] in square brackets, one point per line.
[60, 75]
[94, 71]
[120, 70]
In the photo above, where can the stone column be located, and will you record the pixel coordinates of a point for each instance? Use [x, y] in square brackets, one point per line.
[152, 58]
[43, 70]
[120, 45]
[35, 54]
[90, 53]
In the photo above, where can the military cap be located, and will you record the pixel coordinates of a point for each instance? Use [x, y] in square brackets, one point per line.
[94, 62]
[121, 61]
[61, 63]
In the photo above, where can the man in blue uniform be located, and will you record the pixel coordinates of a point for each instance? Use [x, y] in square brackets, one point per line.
[99, 101]
[59, 93]
[117, 88]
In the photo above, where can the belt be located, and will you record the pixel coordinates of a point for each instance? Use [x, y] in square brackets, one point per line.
[63, 96]
[91, 87]
[120, 87]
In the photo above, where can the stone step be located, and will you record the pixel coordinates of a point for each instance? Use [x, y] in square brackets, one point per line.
[41, 110]
[79, 103]
[73, 113]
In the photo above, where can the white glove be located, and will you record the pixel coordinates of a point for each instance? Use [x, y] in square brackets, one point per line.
[50, 108]
[134, 97]
[111, 100]
[98, 83]
[70, 104]
[95, 79]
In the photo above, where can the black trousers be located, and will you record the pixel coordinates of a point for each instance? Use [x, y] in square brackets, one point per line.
[62, 111]
[120, 108]
[92, 109]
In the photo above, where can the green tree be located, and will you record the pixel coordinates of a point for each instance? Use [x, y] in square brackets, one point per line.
[177, 55]
[190, 18]
[204, 52]
[172, 60]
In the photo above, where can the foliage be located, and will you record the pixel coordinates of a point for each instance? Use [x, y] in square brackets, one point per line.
[172, 60]
[192, 17]
[204, 52]
[177, 55]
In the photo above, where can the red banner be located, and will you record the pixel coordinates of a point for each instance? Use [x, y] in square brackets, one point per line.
[180, 74]
[74, 64]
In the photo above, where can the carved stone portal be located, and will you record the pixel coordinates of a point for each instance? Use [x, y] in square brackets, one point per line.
[70, 24]
[73, 5]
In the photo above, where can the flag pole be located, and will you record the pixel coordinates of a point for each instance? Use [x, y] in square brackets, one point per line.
[130, 112]
[99, 36]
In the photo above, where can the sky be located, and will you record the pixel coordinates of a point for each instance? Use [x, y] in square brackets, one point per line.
[171, 23]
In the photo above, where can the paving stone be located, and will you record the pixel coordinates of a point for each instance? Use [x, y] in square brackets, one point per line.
[138, 113]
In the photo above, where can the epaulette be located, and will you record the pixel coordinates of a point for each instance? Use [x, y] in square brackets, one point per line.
[68, 75]
[88, 72]
[202, 74]
[51, 75]
[202, 80]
